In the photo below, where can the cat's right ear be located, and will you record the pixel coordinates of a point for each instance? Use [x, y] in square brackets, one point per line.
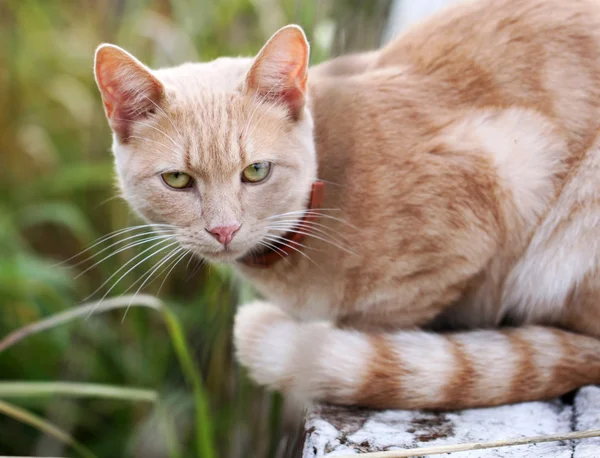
[279, 72]
[130, 92]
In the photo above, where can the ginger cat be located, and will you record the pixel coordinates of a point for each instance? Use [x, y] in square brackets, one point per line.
[453, 258]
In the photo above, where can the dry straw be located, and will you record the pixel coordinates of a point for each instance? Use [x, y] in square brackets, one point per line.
[477, 445]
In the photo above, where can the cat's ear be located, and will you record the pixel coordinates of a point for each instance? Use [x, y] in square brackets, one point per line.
[130, 92]
[280, 70]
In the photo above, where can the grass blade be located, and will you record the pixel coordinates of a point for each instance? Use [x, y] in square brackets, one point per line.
[77, 390]
[166, 420]
[40, 424]
[143, 300]
[204, 434]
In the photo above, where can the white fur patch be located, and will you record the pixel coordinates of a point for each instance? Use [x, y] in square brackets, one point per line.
[274, 354]
[265, 339]
[344, 355]
[313, 360]
[427, 364]
[525, 149]
[494, 360]
[547, 351]
[563, 250]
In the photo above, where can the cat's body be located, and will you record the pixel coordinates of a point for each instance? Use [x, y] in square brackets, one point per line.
[462, 171]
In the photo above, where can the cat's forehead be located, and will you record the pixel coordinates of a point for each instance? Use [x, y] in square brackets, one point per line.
[223, 75]
[204, 105]
[216, 126]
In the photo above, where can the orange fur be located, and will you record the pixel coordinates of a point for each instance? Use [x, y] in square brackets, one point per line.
[462, 165]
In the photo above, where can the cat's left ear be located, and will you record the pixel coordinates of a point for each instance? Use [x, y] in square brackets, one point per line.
[280, 70]
[130, 92]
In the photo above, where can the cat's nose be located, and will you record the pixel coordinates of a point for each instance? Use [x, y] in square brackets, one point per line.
[224, 234]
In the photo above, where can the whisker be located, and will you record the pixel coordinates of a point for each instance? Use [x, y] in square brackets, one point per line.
[301, 212]
[331, 242]
[187, 266]
[333, 183]
[268, 110]
[298, 244]
[323, 215]
[295, 229]
[154, 268]
[261, 102]
[126, 273]
[143, 234]
[313, 225]
[185, 253]
[310, 234]
[105, 201]
[151, 127]
[154, 246]
[164, 113]
[200, 262]
[169, 148]
[126, 247]
[148, 276]
[277, 250]
[109, 236]
[295, 249]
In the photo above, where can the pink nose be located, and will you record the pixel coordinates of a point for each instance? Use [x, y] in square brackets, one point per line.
[224, 234]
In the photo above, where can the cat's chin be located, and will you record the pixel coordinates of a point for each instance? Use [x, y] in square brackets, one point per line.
[223, 257]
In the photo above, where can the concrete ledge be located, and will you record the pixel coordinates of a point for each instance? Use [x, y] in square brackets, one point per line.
[335, 431]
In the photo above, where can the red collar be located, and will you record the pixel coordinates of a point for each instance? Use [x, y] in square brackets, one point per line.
[267, 258]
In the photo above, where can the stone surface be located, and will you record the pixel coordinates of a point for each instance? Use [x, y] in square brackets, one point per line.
[586, 416]
[334, 431]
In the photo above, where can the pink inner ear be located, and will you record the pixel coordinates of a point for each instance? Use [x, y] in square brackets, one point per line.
[130, 92]
[279, 73]
[283, 91]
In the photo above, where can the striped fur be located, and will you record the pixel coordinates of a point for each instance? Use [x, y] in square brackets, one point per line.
[412, 369]
[457, 259]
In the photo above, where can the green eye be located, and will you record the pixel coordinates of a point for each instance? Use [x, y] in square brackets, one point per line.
[256, 172]
[177, 180]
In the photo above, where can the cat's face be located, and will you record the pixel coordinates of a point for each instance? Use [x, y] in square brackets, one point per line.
[217, 149]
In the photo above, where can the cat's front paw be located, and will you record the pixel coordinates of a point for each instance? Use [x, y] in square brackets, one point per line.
[264, 339]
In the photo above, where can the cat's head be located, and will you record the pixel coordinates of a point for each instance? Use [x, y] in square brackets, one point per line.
[214, 149]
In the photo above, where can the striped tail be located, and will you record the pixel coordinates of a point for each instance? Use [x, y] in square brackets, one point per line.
[412, 369]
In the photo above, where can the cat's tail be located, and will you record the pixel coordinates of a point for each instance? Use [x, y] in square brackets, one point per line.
[412, 369]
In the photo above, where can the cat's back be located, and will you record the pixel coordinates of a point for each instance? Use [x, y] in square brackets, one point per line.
[491, 32]
[519, 80]
[506, 90]
[539, 53]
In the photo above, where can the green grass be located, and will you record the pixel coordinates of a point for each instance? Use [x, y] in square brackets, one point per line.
[203, 427]
[153, 384]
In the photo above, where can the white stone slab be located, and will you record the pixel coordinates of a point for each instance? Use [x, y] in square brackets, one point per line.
[334, 431]
[586, 416]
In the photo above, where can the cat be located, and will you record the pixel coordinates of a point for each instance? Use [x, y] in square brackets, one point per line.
[422, 220]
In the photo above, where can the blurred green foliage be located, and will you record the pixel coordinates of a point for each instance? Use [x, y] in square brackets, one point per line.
[57, 196]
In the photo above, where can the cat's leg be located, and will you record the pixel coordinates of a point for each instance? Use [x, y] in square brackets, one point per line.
[411, 369]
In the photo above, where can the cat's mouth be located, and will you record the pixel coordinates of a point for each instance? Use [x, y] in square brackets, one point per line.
[225, 255]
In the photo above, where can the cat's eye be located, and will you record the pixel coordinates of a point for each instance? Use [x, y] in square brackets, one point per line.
[257, 172]
[177, 180]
